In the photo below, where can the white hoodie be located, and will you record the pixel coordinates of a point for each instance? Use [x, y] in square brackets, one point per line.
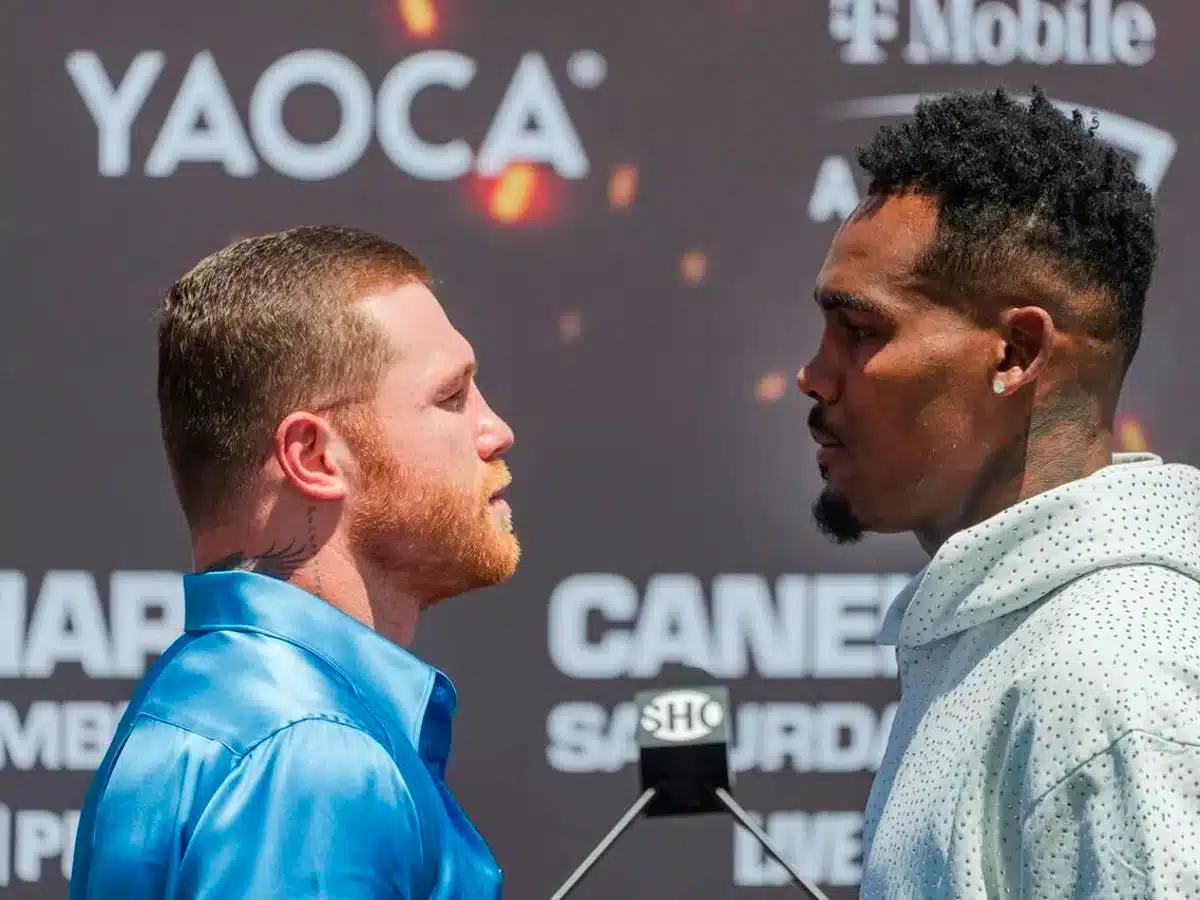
[1047, 742]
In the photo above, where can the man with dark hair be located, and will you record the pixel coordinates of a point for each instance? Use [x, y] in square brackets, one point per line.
[982, 307]
[340, 472]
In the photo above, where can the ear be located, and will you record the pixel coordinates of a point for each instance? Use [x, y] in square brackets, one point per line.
[1028, 334]
[302, 448]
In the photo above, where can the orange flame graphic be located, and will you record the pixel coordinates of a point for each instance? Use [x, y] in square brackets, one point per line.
[570, 326]
[694, 266]
[513, 196]
[1131, 436]
[622, 187]
[770, 388]
[420, 17]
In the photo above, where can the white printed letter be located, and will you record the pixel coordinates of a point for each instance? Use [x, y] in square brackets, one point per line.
[393, 115]
[296, 159]
[202, 95]
[532, 98]
[114, 109]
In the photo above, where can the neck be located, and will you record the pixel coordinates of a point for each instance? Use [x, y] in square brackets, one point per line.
[327, 570]
[1045, 458]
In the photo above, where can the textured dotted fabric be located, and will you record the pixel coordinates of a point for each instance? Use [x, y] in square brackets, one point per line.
[1047, 743]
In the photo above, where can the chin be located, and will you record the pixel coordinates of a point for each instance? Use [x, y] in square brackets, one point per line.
[507, 560]
[837, 519]
[495, 562]
[485, 567]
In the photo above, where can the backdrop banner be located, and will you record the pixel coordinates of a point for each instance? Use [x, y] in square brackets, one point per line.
[625, 205]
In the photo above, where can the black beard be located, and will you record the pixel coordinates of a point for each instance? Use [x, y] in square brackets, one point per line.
[836, 520]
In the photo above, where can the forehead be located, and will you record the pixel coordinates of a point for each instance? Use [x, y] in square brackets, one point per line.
[874, 251]
[416, 326]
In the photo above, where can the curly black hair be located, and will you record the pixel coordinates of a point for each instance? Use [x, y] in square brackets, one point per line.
[1020, 187]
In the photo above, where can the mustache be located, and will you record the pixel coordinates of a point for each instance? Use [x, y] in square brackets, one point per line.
[819, 424]
[497, 479]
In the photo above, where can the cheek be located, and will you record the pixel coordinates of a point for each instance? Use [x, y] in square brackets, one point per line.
[447, 449]
[420, 446]
[912, 419]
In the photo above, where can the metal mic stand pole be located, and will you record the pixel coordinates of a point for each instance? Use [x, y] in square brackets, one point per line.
[759, 835]
[634, 811]
[609, 839]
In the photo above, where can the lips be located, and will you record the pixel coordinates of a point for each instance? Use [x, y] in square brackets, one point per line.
[824, 439]
[829, 448]
[829, 452]
[819, 429]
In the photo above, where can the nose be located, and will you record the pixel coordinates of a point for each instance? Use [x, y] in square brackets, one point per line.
[495, 436]
[816, 380]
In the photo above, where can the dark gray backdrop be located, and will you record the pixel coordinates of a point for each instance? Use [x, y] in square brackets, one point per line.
[639, 328]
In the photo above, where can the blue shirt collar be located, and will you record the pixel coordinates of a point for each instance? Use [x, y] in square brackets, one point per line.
[406, 694]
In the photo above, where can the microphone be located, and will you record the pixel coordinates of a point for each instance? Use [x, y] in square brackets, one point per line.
[683, 757]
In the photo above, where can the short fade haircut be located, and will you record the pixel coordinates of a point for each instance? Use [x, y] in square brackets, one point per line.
[1029, 201]
[263, 327]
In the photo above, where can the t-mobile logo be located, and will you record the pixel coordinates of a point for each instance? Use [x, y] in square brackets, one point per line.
[861, 25]
[995, 33]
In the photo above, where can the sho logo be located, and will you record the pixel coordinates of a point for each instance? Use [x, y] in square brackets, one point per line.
[681, 716]
[994, 33]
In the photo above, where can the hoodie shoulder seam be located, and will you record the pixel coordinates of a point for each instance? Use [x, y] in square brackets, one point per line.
[1076, 769]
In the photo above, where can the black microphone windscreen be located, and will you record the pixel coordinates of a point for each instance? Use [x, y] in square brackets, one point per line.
[683, 747]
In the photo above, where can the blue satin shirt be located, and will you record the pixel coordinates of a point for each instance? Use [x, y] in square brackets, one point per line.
[280, 750]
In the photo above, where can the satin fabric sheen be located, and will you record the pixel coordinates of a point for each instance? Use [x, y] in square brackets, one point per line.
[280, 749]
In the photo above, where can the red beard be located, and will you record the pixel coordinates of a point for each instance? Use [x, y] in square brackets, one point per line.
[429, 538]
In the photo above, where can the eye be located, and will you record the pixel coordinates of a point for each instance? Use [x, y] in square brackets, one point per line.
[456, 400]
[858, 332]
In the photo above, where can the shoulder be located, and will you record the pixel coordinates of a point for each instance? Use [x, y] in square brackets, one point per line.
[1114, 655]
[319, 809]
[320, 783]
[1123, 644]
[314, 790]
[239, 688]
[1118, 628]
[334, 759]
[329, 758]
[1161, 592]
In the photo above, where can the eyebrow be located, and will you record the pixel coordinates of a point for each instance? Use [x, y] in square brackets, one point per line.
[465, 371]
[830, 300]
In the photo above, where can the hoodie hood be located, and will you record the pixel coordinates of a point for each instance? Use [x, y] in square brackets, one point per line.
[1137, 511]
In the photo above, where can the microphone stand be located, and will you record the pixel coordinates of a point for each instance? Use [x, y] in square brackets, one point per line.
[759, 835]
[609, 839]
[640, 804]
